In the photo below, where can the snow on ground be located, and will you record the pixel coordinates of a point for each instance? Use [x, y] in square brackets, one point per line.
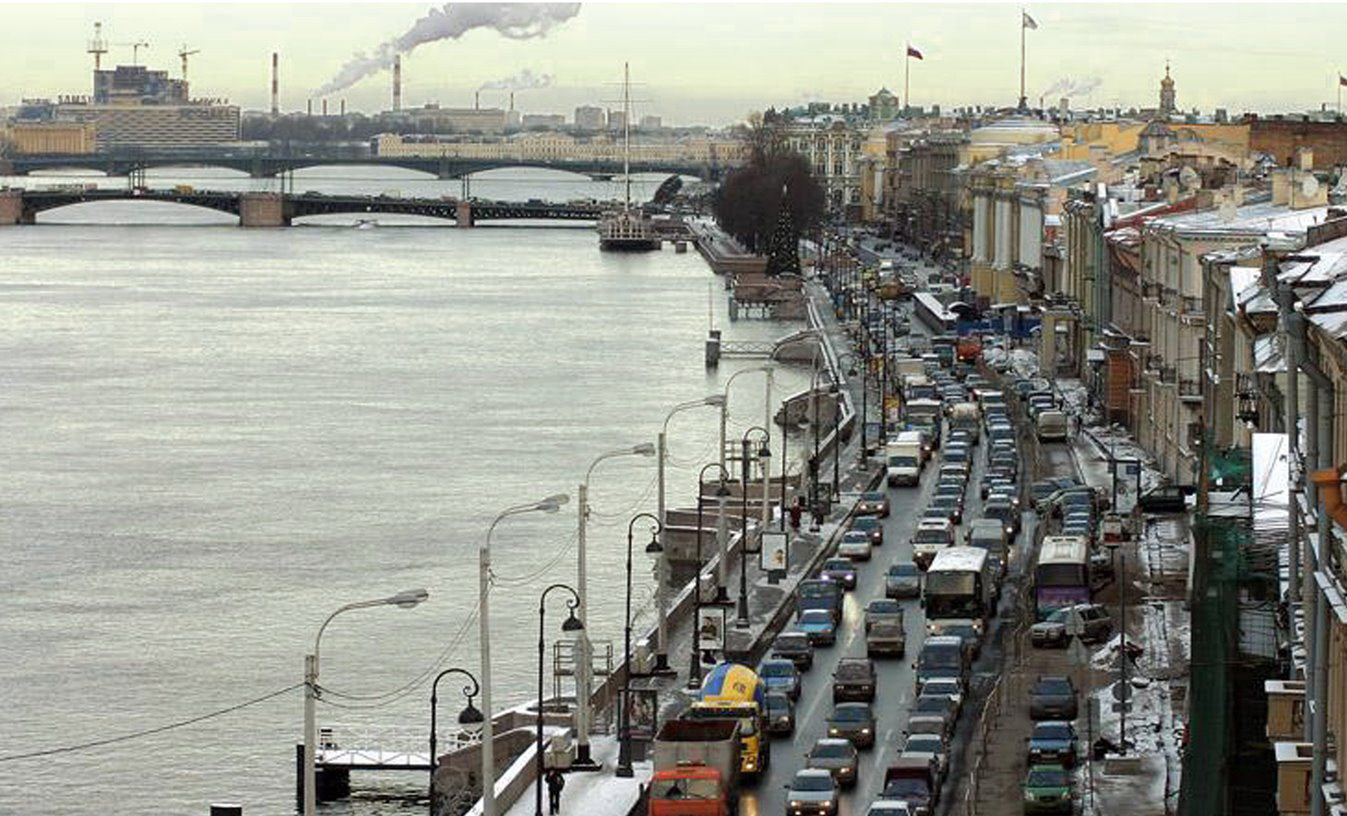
[594, 793]
[1024, 362]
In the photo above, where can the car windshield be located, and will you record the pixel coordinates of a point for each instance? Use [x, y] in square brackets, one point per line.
[1052, 731]
[817, 616]
[851, 713]
[782, 669]
[685, 789]
[925, 742]
[906, 789]
[931, 537]
[865, 523]
[856, 537]
[792, 642]
[813, 782]
[941, 687]
[1057, 686]
[853, 671]
[832, 750]
[883, 607]
[872, 497]
[933, 704]
[838, 564]
[1047, 778]
[941, 656]
[903, 570]
[778, 704]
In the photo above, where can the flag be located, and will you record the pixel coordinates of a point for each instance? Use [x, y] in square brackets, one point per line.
[1028, 22]
[912, 52]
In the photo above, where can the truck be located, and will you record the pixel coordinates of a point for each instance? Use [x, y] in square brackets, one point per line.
[969, 348]
[965, 416]
[923, 415]
[905, 457]
[735, 693]
[913, 780]
[918, 386]
[696, 769]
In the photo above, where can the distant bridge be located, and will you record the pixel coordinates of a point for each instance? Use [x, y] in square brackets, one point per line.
[261, 165]
[276, 209]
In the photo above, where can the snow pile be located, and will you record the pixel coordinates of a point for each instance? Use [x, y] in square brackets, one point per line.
[1024, 362]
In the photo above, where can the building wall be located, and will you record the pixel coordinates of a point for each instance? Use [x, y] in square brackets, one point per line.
[156, 126]
[40, 138]
[554, 146]
[1281, 137]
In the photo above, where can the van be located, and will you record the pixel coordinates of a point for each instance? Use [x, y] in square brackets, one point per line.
[905, 456]
[930, 537]
[1050, 426]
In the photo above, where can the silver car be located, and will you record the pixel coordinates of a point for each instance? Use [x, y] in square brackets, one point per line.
[837, 756]
[902, 581]
[811, 793]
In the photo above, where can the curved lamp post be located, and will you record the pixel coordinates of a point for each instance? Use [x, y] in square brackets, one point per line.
[816, 335]
[571, 624]
[764, 454]
[624, 728]
[551, 504]
[864, 358]
[725, 407]
[469, 717]
[584, 661]
[403, 600]
[722, 493]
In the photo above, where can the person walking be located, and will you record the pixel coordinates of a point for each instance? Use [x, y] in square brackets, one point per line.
[555, 782]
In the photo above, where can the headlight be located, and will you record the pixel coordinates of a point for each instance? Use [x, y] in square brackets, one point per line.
[825, 804]
[865, 731]
[795, 803]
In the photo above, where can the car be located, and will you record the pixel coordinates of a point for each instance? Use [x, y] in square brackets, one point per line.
[903, 580]
[853, 721]
[841, 570]
[1047, 790]
[883, 610]
[1005, 513]
[1043, 488]
[942, 656]
[940, 704]
[780, 714]
[812, 792]
[885, 639]
[1053, 741]
[819, 625]
[780, 675]
[1165, 499]
[953, 489]
[1094, 620]
[889, 807]
[947, 686]
[1053, 697]
[960, 469]
[837, 756]
[914, 780]
[855, 545]
[927, 746]
[950, 506]
[871, 525]
[854, 679]
[795, 646]
[873, 503]
[957, 454]
[965, 631]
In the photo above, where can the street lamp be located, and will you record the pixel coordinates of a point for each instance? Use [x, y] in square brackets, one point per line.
[403, 600]
[722, 493]
[624, 727]
[469, 717]
[661, 593]
[725, 407]
[572, 624]
[584, 662]
[551, 504]
[764, 454]
[815, 335]
[864, 357]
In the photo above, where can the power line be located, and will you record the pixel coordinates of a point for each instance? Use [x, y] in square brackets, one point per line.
[67, 749]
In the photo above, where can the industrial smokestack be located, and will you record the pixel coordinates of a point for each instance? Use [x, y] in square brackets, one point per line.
[511, 100]
[397, 83]
[343, 106]
[477, 100]
[325, 107]
[275, 84]
[309, 108]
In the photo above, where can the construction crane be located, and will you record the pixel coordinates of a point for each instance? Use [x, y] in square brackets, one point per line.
[183, 54]
[135, 50]
[98, 46]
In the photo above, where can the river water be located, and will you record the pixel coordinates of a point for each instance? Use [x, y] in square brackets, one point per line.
[211, 438]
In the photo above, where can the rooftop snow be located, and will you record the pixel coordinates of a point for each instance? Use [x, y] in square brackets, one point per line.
[1261, 217]
[1271, 476]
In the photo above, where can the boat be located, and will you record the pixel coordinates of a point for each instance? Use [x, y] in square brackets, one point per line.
[366, 223]
[628, 229]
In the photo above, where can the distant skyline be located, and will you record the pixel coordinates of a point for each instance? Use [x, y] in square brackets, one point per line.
[707, 63]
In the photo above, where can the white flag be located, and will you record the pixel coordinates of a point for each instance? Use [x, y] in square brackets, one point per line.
[1028, 21]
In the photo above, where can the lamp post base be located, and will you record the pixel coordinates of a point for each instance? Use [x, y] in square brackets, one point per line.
[625, 772]
[722, 597]
[662, 667]
[741, 622]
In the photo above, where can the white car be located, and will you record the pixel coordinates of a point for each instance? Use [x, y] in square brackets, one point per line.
[855, 545]
[889, 807]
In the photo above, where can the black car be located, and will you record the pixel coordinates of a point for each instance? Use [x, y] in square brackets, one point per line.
[854, 680]
[1165, 499]
[871, 525]
[795, 647]
[1053, 697]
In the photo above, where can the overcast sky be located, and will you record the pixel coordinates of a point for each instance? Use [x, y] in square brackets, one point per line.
[707, 63]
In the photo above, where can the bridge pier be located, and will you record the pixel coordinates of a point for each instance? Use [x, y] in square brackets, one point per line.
[11, 209]
[262, 210]
[463, 214]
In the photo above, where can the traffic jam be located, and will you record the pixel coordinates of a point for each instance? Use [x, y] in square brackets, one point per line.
[867, 700]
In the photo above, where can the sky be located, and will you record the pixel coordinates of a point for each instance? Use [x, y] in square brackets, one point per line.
[707, 63]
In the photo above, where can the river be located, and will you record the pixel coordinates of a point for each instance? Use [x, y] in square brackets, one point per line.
[214, 437]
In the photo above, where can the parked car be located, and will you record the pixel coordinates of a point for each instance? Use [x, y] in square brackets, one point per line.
[819, 625]
[1053, 741]
[871, 525]
[841, 570]
[1053, 697]
[812, 792]
[780, 675]
[1096, 626]
[1165, 499]
[903, 580]
[795, 646]
[855, 545]
[854, 679]
[874, 503]
[853, 721]
[837, 756]
[780, 714]
[1047, 790]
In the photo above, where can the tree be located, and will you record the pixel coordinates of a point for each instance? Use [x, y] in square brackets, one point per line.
[750, 203]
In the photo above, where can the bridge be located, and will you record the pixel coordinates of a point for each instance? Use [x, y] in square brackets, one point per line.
[277, 209]
[267, 164]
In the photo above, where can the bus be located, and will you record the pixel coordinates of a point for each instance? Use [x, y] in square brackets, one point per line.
[1062, 574]
[932, 312]
[960, 587]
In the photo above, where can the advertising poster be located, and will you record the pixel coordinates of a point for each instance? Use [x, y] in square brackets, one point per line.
[711, 628]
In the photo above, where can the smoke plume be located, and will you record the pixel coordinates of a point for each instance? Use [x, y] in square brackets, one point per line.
[1070, 88]
[517, 21]
[525, 80]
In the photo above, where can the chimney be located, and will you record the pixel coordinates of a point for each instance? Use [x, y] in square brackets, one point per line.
[511, 100]
[309, 108]
[325, 107]
[1305, 158]
[275, 84]
[343, 106]
[1281, 186]
[397, 83]
[477, 100]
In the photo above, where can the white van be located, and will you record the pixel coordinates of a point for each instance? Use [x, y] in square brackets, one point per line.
[1050, 426]
[905, 456]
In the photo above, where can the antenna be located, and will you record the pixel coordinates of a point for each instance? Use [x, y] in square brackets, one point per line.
[183, 54]
[98, 46]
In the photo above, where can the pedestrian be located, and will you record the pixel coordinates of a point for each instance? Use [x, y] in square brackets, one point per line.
[796, 510]
[555, 782]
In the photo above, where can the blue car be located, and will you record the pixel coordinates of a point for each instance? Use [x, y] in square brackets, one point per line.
[818, 625]
[780, 676]
[1053, 741]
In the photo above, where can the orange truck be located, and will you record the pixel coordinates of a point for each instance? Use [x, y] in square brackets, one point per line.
[969, 348]
[696, 769]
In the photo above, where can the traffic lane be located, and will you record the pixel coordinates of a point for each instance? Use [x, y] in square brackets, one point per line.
[894, 685]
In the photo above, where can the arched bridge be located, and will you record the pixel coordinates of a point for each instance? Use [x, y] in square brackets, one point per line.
[275, 209]
[259, 165]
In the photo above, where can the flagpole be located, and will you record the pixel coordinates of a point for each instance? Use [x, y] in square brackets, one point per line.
[907, 75]
[1023, 105]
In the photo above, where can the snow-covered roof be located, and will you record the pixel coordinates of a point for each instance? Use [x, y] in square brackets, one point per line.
[1271, 476]
[1261, 217]
[959, 559]
[1241, 278]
